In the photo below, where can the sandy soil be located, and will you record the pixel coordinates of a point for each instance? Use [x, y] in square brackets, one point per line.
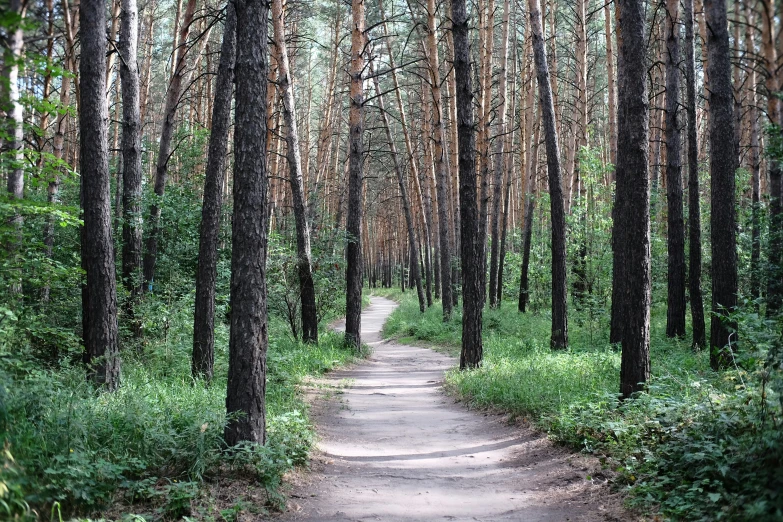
[394, 447]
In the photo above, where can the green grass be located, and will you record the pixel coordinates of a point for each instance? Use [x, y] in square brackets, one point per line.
[699, 445]
[150, 445]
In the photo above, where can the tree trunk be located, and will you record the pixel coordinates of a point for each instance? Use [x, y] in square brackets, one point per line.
[203, 359]
[694, 212]
[722, 165]
[15, 129]
[774, 85]
[530, 205]
[755, 168]
[406, 204]
[612, 88]
[471, 247]
[353, 251]
[131, 155]
[99, 296]
[631, 285]
[675, 316]
[164, 145]
[559, 337]
[306, 284]
[497, 189]
[248, 338]
[441, 170]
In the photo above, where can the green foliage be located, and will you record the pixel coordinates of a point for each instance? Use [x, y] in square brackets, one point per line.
[699, 445]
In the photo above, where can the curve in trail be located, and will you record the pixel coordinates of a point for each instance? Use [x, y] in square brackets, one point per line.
[394, 447]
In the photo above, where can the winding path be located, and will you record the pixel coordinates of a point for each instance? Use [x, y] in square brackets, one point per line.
[394, 447]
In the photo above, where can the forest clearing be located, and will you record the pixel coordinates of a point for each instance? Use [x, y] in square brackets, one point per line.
[550, 232]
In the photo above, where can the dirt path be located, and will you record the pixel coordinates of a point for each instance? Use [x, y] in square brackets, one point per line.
[394, 447]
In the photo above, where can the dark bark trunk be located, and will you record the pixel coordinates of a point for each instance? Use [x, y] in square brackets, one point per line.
[249, 336]
[631, 231]
[527, 233]
[559, 338]
[353, 250]
[675, 316]
[99, 303]
[202, 362]
[694, 211]
[471, 247]
[723, 159]
[131, 157]
[304, 262]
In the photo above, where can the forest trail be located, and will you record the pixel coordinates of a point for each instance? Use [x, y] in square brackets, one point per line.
[394, 447]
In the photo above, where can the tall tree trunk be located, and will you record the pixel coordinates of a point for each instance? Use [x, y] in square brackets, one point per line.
[675, 316]
[559, 338]
[406, 204]
[248, 338]
[99, 297]
[131, 154]
[497, 189]
[471, 247]
[722, 165]
[353, 251]
[530, 205]
[306, 284]
[202, 362]
[612, 88]
[631, 231]
[774, 85]
[164, 145]
[755, 167]
[694, 212]
[14, 128]
[441, 170]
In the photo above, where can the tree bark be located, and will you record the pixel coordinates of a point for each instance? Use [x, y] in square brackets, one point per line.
[304, 262]
[202, 362]
[722, 166]
[99, 296]
[755, 167]
[675, 316]
[631, 286]
[248, 338]
[353, 251]
[441, 170]
[499, 162]
[559, 337]
[471, 247]
[131, 154]
[612, 88]
[694, 212]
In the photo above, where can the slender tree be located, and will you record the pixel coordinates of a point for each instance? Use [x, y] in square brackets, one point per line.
[694, 211]
[248, 338]
[353, 251]
[304, 264]
[631, 232]
[179, 78]
[559, 338]
[131, 153]
[203, 359]
[415, 271]
[99, 296]
[471, 248]
[675, 316]
[722, 166]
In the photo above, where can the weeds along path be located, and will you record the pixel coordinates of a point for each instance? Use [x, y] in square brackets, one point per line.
[394, 447]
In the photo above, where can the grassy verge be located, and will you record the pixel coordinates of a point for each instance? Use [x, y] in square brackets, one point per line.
[700, 445]
[150, 447]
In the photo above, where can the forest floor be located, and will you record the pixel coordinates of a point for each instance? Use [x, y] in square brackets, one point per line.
[394, 447]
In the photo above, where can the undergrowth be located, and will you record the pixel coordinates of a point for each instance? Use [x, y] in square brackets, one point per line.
[71, 450]
[698, 445]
